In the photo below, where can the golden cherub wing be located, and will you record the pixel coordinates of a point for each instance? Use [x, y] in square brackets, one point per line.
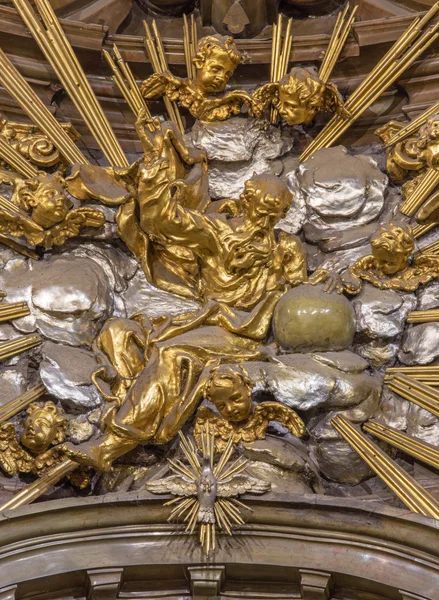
[240, 484]
[175, 484]
[333, 102]
[13, 457]
[17, 225]
[157, 84]
[262, 98]
[73, 223]
[387, 131]
[275, 411]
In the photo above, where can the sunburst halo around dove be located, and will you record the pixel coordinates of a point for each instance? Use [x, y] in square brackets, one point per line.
[211, 486]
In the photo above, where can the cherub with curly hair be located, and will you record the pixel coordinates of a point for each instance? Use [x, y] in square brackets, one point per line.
[45, 426]
[229, 389]
[298, 97]
[41, 212]
[215, 62]
[410, 157]
[388, 267]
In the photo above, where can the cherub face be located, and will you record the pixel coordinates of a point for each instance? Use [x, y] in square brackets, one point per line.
[215, 72]
[389, 262]
[40, 429]
[232, 400]
[50, 205]
[292, 110]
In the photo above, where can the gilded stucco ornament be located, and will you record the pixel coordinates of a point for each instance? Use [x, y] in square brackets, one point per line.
[298, 97]
[229, 389]
[206, 489]
[45, 426]
[215, 61]
[411, 156]
[41, 212]
[389, 267]
[34, 145]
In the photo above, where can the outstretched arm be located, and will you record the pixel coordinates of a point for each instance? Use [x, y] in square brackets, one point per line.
[163, 216]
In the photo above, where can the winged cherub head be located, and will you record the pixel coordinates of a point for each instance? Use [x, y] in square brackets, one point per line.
[302, 94]
[392, 246]
[229, 388]
[43, 427]
[44, 198]
[428, 141]
[216, 60]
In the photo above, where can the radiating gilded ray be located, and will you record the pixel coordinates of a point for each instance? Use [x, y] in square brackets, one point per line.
[280, 55]
[183, 507]
[419, 230]
[14, 159]
[431, 248]
[41, 485]
[180, 468]
[231, 512]
[58, 51]
[17, 86]
[192, 520]
[412, 127]
[13, 407]
[156, 53]
[429, 181]
[423, 451]
[18, 247]
[13, 310]
[224, 458]
[226, 523]
[235, 468]
[190, 42]
[421, 394]
[427, 375]
[423, 316]
[411, 44]
[125, 81]
[9, 206]
[339, 36]
[190, 452]
[11, 348]
[413, 495]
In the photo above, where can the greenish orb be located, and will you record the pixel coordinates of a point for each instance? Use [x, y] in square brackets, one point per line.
[307, 319]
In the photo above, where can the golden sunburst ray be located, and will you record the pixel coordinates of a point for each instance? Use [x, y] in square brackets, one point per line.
[54, 44]
[411, 44]
[338, 39]
[157, 57]
[408, 490]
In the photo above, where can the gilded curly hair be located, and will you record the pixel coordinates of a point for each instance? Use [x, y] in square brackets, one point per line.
[209, 44]
[305, 84]
[429, 132]
[25, 189]
[395, 239]
[49, 408]
[226, 374]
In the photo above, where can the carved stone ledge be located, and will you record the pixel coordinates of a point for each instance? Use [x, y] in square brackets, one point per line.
[206, 582]
[315, 585]
[103, 584]
[410, 596]
[8, 593]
